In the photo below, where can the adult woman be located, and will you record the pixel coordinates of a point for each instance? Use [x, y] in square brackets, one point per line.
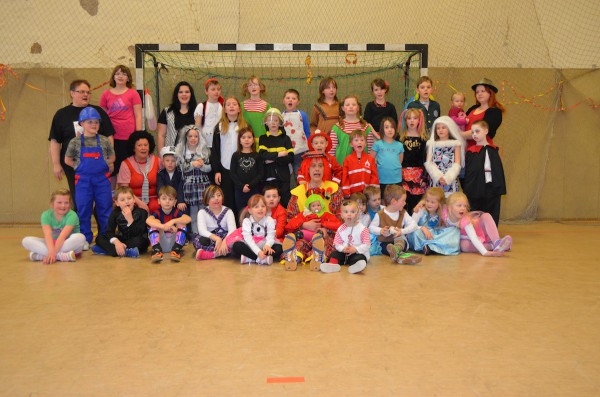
[65, 125]
[178, 114]
[124, 107]
[321, 244]
[487, 108]
[139, 171]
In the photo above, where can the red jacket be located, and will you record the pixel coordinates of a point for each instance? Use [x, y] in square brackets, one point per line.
[328, 221]
[359, 174]
[280, 217]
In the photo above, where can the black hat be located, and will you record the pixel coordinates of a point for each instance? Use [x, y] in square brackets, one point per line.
[486, 82]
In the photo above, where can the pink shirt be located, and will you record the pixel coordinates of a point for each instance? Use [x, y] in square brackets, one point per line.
[120, 111]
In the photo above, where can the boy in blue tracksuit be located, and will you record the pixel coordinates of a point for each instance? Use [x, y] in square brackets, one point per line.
[92, 156]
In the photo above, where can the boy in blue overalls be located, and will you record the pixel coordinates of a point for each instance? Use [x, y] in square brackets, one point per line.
[92, 156]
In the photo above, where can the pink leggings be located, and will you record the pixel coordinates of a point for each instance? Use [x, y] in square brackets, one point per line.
[485, 226]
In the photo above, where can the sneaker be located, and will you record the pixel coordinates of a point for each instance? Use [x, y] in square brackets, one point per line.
[330, 267]
[357, 267]
[408, 259]
[393, 252]
[267, 261]
[35, 257]
[176, 255]
[504, 244]
[86, 246]
[244, 260]
[66, 256]
[157, 255]
[289, 252]
[203, 254]
[132, 252]
[96, 249]
[318, 257]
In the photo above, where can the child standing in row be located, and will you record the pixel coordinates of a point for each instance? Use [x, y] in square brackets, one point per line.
[171, 175]
[259, 244]
[350, 120]
[216, 223]
[207, 114]
[62, 240]
[445, 155]
[276, 151]
[484, 175]
[392, 224]
[295, 123]
[326, 112]
[351, 242]
[379, 108]
[389, 154]
[92, 156]
[247, 170]
[193, 159]
[457, 112]
[414, 177]
[167, 226]
[360, 169]
[429, 107]
[126, 233]
[254, 108]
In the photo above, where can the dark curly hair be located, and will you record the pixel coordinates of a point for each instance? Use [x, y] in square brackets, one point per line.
[136, 136]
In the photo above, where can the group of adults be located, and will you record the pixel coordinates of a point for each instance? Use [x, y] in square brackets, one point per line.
[137, 166]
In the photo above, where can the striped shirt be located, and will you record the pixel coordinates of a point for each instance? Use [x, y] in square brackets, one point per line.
[255, 105]
[348, 127]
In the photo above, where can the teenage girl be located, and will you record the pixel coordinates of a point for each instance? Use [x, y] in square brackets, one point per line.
[326, 112]
[445, 155]
[258, 229]
[60, 225]
[379, 108]
[388, 153]
[225, 144]
[192, 158]
[254, 108]
[414, 178]
[350, 120]
[433, 236]
[246, 168]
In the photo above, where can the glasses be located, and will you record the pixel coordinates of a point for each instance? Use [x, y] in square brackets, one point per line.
[253, 85]
[82, 92]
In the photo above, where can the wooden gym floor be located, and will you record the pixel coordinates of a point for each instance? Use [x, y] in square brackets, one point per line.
[524, 325]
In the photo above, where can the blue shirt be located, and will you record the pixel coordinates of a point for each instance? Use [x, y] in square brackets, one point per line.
[389, 166]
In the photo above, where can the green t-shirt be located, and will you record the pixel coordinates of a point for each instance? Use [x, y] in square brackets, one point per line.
[70, 219]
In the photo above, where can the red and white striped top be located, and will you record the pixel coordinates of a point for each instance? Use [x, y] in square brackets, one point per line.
[255, 105]
[348, 127]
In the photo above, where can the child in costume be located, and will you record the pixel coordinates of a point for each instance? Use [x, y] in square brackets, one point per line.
[433, 236]
[208, 114]
[258, 229]
[351, 243]
[478, 232]
[167, 226]
[247, 168]
[445, 155]
[326, 112]
[392, 224]
[379, 108]
[216, 224]
[389, 154]
[193, 159]
[429, 107]
[276, 152]
[126, 234]
[360, 169]
[315, 208]
[456, 112]
[484, 182]
[255, 108]
[295, 123]
[319, 144]
[92, 156]
[171, 175]
[350, 120]
[62, 240]
[414, 138]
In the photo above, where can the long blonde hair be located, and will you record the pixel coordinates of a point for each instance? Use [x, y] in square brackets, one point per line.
[224, 123]
[420, 126]
[438, 193]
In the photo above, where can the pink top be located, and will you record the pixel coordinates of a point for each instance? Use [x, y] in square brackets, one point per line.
[120, 111]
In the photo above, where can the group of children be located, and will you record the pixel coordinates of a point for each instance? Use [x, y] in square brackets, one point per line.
[220, 166]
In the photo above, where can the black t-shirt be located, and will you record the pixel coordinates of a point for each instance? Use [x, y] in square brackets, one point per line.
[414, 152]
[181, 120]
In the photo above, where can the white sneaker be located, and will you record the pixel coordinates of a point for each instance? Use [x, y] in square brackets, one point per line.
[244, 260]
[35, 257]
[357, 267]
[330, 267]
[267, 261]
[86, 246]
[66, 256]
